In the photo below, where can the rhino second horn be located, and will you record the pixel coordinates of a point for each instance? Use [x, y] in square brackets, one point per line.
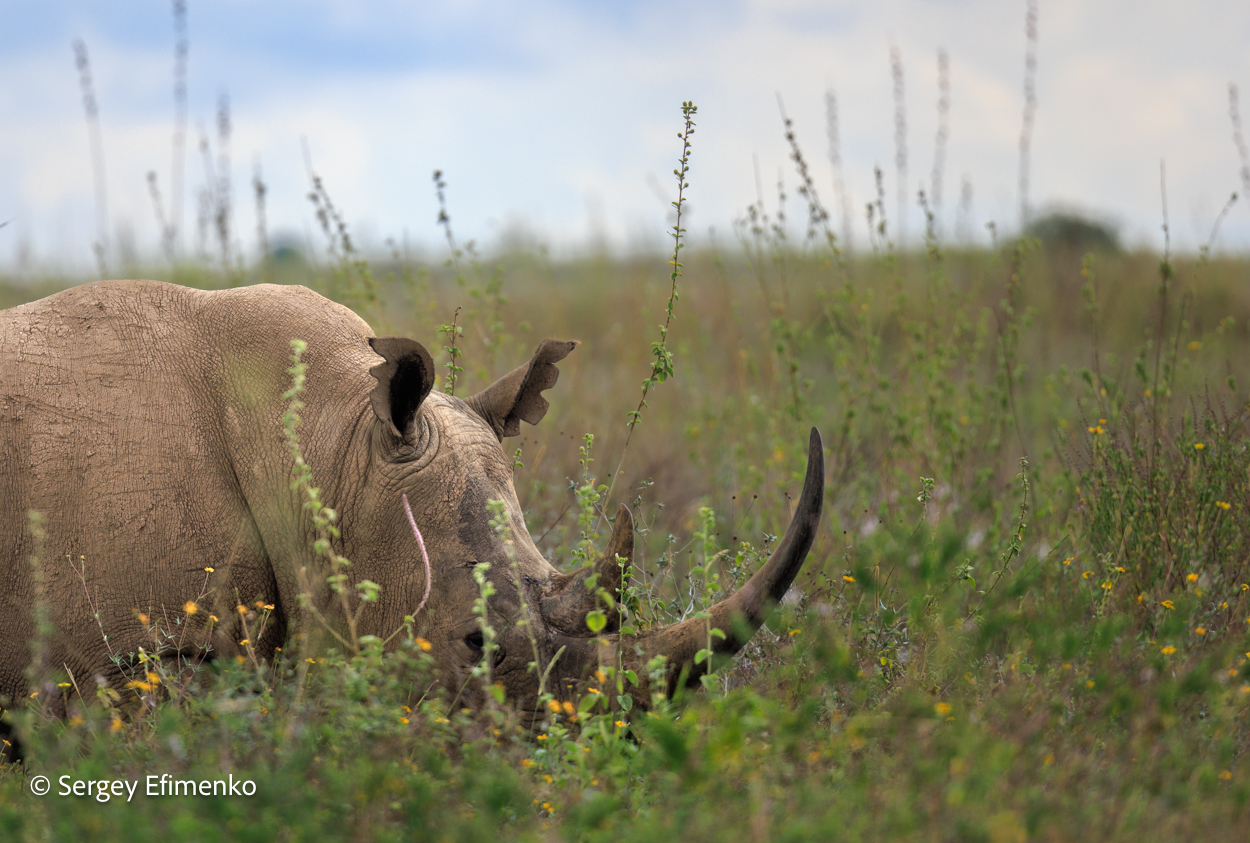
[569, 600]
[621, 544]
[740, 615]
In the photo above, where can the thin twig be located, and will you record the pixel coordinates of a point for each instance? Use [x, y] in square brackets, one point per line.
[425, 557]
[662, 368]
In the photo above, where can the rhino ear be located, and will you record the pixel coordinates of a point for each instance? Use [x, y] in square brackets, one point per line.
[517, 395]
[404, 380]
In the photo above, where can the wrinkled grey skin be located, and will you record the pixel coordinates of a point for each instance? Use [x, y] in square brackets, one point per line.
[143, 421]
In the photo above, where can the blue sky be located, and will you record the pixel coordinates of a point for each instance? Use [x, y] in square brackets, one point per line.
[555, 122]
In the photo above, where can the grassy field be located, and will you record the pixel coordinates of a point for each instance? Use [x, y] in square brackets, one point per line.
[1025, 617]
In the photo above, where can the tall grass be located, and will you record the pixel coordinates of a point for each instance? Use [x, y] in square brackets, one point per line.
[974, 651]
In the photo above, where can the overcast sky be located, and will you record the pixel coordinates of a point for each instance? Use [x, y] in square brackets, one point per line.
[556, 120]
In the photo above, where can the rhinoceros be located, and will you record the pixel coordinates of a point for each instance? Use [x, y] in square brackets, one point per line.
[142, 421]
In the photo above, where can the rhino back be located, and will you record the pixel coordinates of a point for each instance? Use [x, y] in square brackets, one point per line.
[140, 420]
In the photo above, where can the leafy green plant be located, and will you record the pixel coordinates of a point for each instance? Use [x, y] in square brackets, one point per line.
[662, 365]
[323, 520]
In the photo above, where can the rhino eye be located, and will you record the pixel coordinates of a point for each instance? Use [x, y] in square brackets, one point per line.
[475, 642]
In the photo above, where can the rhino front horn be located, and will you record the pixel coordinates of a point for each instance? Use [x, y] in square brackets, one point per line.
[743, 613]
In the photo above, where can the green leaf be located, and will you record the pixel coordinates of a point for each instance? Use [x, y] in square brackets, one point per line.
[596, 621]
[625, 702]
[702, 655]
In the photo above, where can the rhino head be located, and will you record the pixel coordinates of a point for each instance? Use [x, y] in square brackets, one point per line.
[445, 456]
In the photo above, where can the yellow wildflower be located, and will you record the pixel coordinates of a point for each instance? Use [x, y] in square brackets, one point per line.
[241, 609]
[1068, 561]
[1223, 504]
[209, 568]
[153, 678]
[1191, 577]
[1198, 446]
[1226, 775]
[190, 608]
[942, 708]
[1087, 575]
[847, 578]
[424, 645]
[1168, 650]
[1200, 631]
[1168, 604]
